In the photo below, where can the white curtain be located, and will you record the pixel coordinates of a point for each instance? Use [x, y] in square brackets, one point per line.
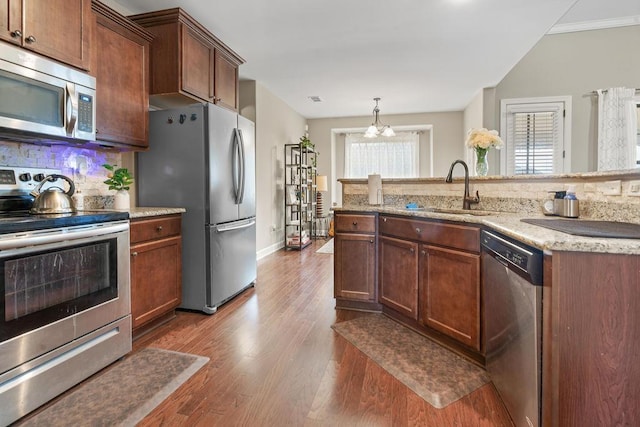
[617, 125]
[391, 157]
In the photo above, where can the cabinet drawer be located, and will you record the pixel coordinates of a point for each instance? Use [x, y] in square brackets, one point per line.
[347, 223]
[466, 238]
[156, 228]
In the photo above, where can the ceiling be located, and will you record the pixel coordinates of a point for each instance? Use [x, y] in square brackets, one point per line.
[417, 55]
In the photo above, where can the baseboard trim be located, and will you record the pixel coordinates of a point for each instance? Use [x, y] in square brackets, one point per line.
[270, 249]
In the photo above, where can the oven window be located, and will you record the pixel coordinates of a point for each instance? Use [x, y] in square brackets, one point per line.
[43, 287]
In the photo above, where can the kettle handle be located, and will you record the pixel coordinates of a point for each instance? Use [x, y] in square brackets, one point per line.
[53, 177]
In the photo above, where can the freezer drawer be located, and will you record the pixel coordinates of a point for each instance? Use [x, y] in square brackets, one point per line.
[232, 261]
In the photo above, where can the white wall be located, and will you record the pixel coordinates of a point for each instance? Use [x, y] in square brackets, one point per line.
[446, 132]
[276, 124]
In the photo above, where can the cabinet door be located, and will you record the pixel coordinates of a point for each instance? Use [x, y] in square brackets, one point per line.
[399, 275]
[450, 293]
[59, 29]
[354, 267]
[197, 64]
[11, 21]
[225, 81]
[156, 279]
[121, 65]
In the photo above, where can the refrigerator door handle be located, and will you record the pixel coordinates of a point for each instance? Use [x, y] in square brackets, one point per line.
[234, 226]
[237, 158]
[242, 165]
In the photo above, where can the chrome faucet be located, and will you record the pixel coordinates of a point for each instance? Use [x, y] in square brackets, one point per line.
[467, 201]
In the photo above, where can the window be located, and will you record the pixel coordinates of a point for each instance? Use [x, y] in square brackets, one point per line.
[391, 157]
[535, 135]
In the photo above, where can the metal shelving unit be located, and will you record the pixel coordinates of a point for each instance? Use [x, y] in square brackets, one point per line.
[299, 195]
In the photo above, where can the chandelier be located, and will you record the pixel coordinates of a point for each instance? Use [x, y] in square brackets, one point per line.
[377, 127]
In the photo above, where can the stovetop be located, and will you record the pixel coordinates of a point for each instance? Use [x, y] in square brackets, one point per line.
[20, 221]
[16, 184]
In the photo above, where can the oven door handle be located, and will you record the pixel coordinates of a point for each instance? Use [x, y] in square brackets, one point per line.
[42, 237]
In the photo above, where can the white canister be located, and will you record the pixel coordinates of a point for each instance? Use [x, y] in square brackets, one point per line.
[121, 200]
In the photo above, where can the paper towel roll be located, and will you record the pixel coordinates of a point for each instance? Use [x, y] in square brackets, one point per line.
[375, 190]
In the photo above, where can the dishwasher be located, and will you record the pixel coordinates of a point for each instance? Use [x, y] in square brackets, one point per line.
[512, 295]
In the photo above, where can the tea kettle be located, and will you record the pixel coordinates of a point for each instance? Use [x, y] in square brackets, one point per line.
[53, 200]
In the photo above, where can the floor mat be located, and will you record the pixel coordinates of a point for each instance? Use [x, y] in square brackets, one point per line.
[124, 393]
[327, 248]
[434, 373]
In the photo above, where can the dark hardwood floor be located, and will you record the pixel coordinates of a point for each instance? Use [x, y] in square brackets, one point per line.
[275, 361]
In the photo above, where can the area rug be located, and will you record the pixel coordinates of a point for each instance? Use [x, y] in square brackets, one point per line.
[434, 373]
[125, 393]
[327, 248]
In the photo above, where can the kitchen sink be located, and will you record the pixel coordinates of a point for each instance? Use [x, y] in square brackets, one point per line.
[472, 212]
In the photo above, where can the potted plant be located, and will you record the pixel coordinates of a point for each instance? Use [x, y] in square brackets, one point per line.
[119, 179]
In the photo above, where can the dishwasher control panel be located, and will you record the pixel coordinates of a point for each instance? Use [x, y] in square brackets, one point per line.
[520, 257]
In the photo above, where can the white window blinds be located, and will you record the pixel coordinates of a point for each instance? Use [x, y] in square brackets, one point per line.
[391, 157]
[534, 138]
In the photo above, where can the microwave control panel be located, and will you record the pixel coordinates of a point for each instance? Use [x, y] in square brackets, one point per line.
[85, 112]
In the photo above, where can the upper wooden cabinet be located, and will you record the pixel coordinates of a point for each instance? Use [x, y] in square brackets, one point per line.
[187, 61]
[120, 63]
[59, 29]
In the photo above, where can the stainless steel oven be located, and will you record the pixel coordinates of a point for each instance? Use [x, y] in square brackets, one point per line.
[64, 303]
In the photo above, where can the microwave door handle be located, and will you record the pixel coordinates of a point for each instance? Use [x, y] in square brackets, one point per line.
[72, 108]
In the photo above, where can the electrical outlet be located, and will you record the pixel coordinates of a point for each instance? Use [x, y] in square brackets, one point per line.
[634, 188]
[611, 188]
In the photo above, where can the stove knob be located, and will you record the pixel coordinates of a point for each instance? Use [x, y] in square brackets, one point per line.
[24, 177]
[38, 177]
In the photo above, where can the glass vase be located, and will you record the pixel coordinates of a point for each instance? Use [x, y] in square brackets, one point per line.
[482, 164]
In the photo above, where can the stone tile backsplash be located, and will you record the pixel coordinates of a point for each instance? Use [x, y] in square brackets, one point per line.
[83, 166]
[523, 196]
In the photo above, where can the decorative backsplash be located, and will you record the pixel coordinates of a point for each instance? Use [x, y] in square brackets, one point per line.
[519, 195]
[83, 166]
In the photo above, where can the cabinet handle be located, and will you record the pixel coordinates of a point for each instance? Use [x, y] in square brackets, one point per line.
[159, 228]
[384, 219]
[370, 240]
[16, 34]
[423, 253]
[412, 250]
[355, 223]
[418, 230]
[134, 253]
[30, 39]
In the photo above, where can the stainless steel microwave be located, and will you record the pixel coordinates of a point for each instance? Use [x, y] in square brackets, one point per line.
[44, 101]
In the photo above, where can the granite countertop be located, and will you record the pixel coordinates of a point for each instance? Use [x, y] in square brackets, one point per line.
[510, 225]
[143, 212]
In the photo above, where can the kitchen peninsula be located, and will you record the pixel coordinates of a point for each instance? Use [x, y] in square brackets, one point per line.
[591, 289]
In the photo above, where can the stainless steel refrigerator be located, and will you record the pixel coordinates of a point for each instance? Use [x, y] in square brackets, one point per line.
[202, 158]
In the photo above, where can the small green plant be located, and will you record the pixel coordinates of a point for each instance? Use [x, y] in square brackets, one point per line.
[305, 142]
[118, 178]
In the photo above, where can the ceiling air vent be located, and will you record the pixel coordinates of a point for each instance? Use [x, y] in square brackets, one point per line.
[315, 98]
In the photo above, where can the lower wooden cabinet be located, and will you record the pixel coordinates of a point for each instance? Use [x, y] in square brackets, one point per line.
[156, 269]
[399, 275]
[354, 269]
[354, 273]
[449, 284]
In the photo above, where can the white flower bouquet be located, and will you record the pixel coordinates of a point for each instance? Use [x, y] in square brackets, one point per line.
[483, 139]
